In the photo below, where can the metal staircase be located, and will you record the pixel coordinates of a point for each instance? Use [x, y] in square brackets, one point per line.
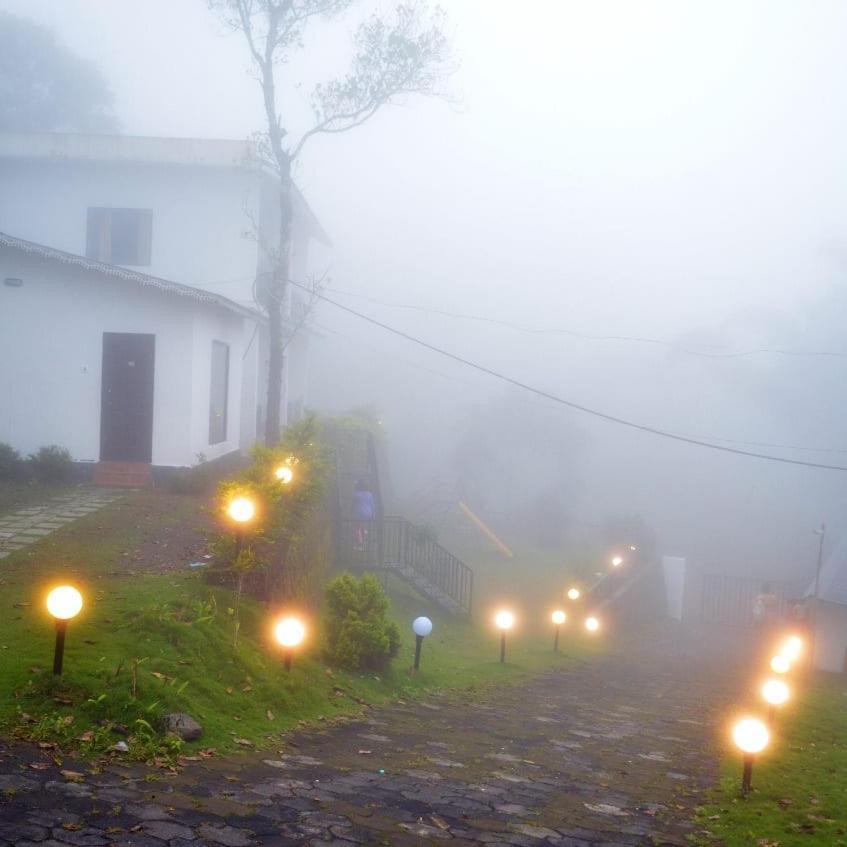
[390, 544]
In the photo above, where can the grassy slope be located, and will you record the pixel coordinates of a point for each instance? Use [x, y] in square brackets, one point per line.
[180, 632]
[800, 784]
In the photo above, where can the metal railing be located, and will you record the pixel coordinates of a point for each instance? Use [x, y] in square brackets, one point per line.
[395, 544]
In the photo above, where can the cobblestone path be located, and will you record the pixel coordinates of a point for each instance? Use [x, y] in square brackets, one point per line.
[614, 752]
[26, 526]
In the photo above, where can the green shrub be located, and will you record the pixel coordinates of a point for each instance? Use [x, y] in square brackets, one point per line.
[51, 464]
[11, 465]
[359, 635]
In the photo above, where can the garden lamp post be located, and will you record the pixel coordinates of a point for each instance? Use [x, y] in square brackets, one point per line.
[592, 624]
[422, 627]
[242, 510]
[574, 593]
[775, 692]
[289, 632]
[63, 603]
[617, 561]
[558, 617]
[751, 736]
[504, 620]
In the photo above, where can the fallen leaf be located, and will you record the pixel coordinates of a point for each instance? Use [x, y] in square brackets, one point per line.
[270, 715]
[86, 736]
[365, 752]
[39, 766]
[71, 827]
[22, 604]
[439, 822]
[73, 776]
[46, 745]
[243, 742]
[36, 669]
[207, 752]
[785, 802]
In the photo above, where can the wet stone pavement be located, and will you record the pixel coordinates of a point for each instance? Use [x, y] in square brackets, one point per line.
[611, 753]
[26, 526]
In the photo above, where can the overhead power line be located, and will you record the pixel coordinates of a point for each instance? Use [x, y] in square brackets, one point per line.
[637, 339]
[568, 403]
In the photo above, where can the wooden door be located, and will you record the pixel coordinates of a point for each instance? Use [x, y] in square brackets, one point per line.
[126, 406]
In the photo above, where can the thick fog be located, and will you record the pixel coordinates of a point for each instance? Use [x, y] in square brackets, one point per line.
[640, 207]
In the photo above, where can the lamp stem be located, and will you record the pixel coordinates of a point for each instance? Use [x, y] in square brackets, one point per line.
[418, 644]
[287, 656]
[502, 647]
[556, 640]
[59, 652]
[748, 774]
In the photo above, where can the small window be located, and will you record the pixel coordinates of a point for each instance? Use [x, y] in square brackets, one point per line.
[219, 392]
[119, 236]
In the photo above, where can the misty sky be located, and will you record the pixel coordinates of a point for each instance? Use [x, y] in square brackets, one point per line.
[670, 170]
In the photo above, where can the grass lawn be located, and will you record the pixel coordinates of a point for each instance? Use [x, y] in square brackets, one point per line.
[15, 494]
[148, 643]
[800, 783]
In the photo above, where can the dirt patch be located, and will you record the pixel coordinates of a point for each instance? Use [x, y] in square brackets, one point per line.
[171, 530]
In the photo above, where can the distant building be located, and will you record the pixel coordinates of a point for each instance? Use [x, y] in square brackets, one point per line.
[828, 614]
[129, 330]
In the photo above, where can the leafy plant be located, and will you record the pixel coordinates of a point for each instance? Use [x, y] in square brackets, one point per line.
[51, 464]
[11, 466]
[359, 633]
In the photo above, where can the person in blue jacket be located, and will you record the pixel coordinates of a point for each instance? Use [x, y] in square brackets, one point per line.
[364, 511]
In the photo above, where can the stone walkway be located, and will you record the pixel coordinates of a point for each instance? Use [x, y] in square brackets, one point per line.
[26, 526]
[614, 753]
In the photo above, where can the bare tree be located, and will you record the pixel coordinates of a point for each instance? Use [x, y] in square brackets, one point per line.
[393, 58]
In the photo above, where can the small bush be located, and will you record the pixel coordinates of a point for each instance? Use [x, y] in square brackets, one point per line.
[359, 636]
[11, 466]
[197, 480]
[51, 464]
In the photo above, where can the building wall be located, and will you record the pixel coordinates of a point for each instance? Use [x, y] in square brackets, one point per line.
[831, 637]
[202, 230]
[51, 332]
[212, 326]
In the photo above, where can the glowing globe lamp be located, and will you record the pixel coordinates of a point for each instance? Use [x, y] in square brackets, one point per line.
[792, 648]
[751, 736]
[63, 603]
[242, 510]
[422, 627]
[779, 664]
[289, 633]
[592, 624]
[617, 561]
[573, 594]
[284, 473]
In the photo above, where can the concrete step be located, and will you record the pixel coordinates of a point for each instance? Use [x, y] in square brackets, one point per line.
[123, 474]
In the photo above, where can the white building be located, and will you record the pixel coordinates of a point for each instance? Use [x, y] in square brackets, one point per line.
[828, 614]
[128, 325]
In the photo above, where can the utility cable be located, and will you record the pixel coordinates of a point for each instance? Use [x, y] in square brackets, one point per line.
[564, 402]
[658, 342]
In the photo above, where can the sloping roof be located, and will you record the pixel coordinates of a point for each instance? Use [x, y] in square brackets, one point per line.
[833, 582]
[166, 286]
[201, 152]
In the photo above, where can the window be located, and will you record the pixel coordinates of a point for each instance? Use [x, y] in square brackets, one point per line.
[119, 236]
[219, 392]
